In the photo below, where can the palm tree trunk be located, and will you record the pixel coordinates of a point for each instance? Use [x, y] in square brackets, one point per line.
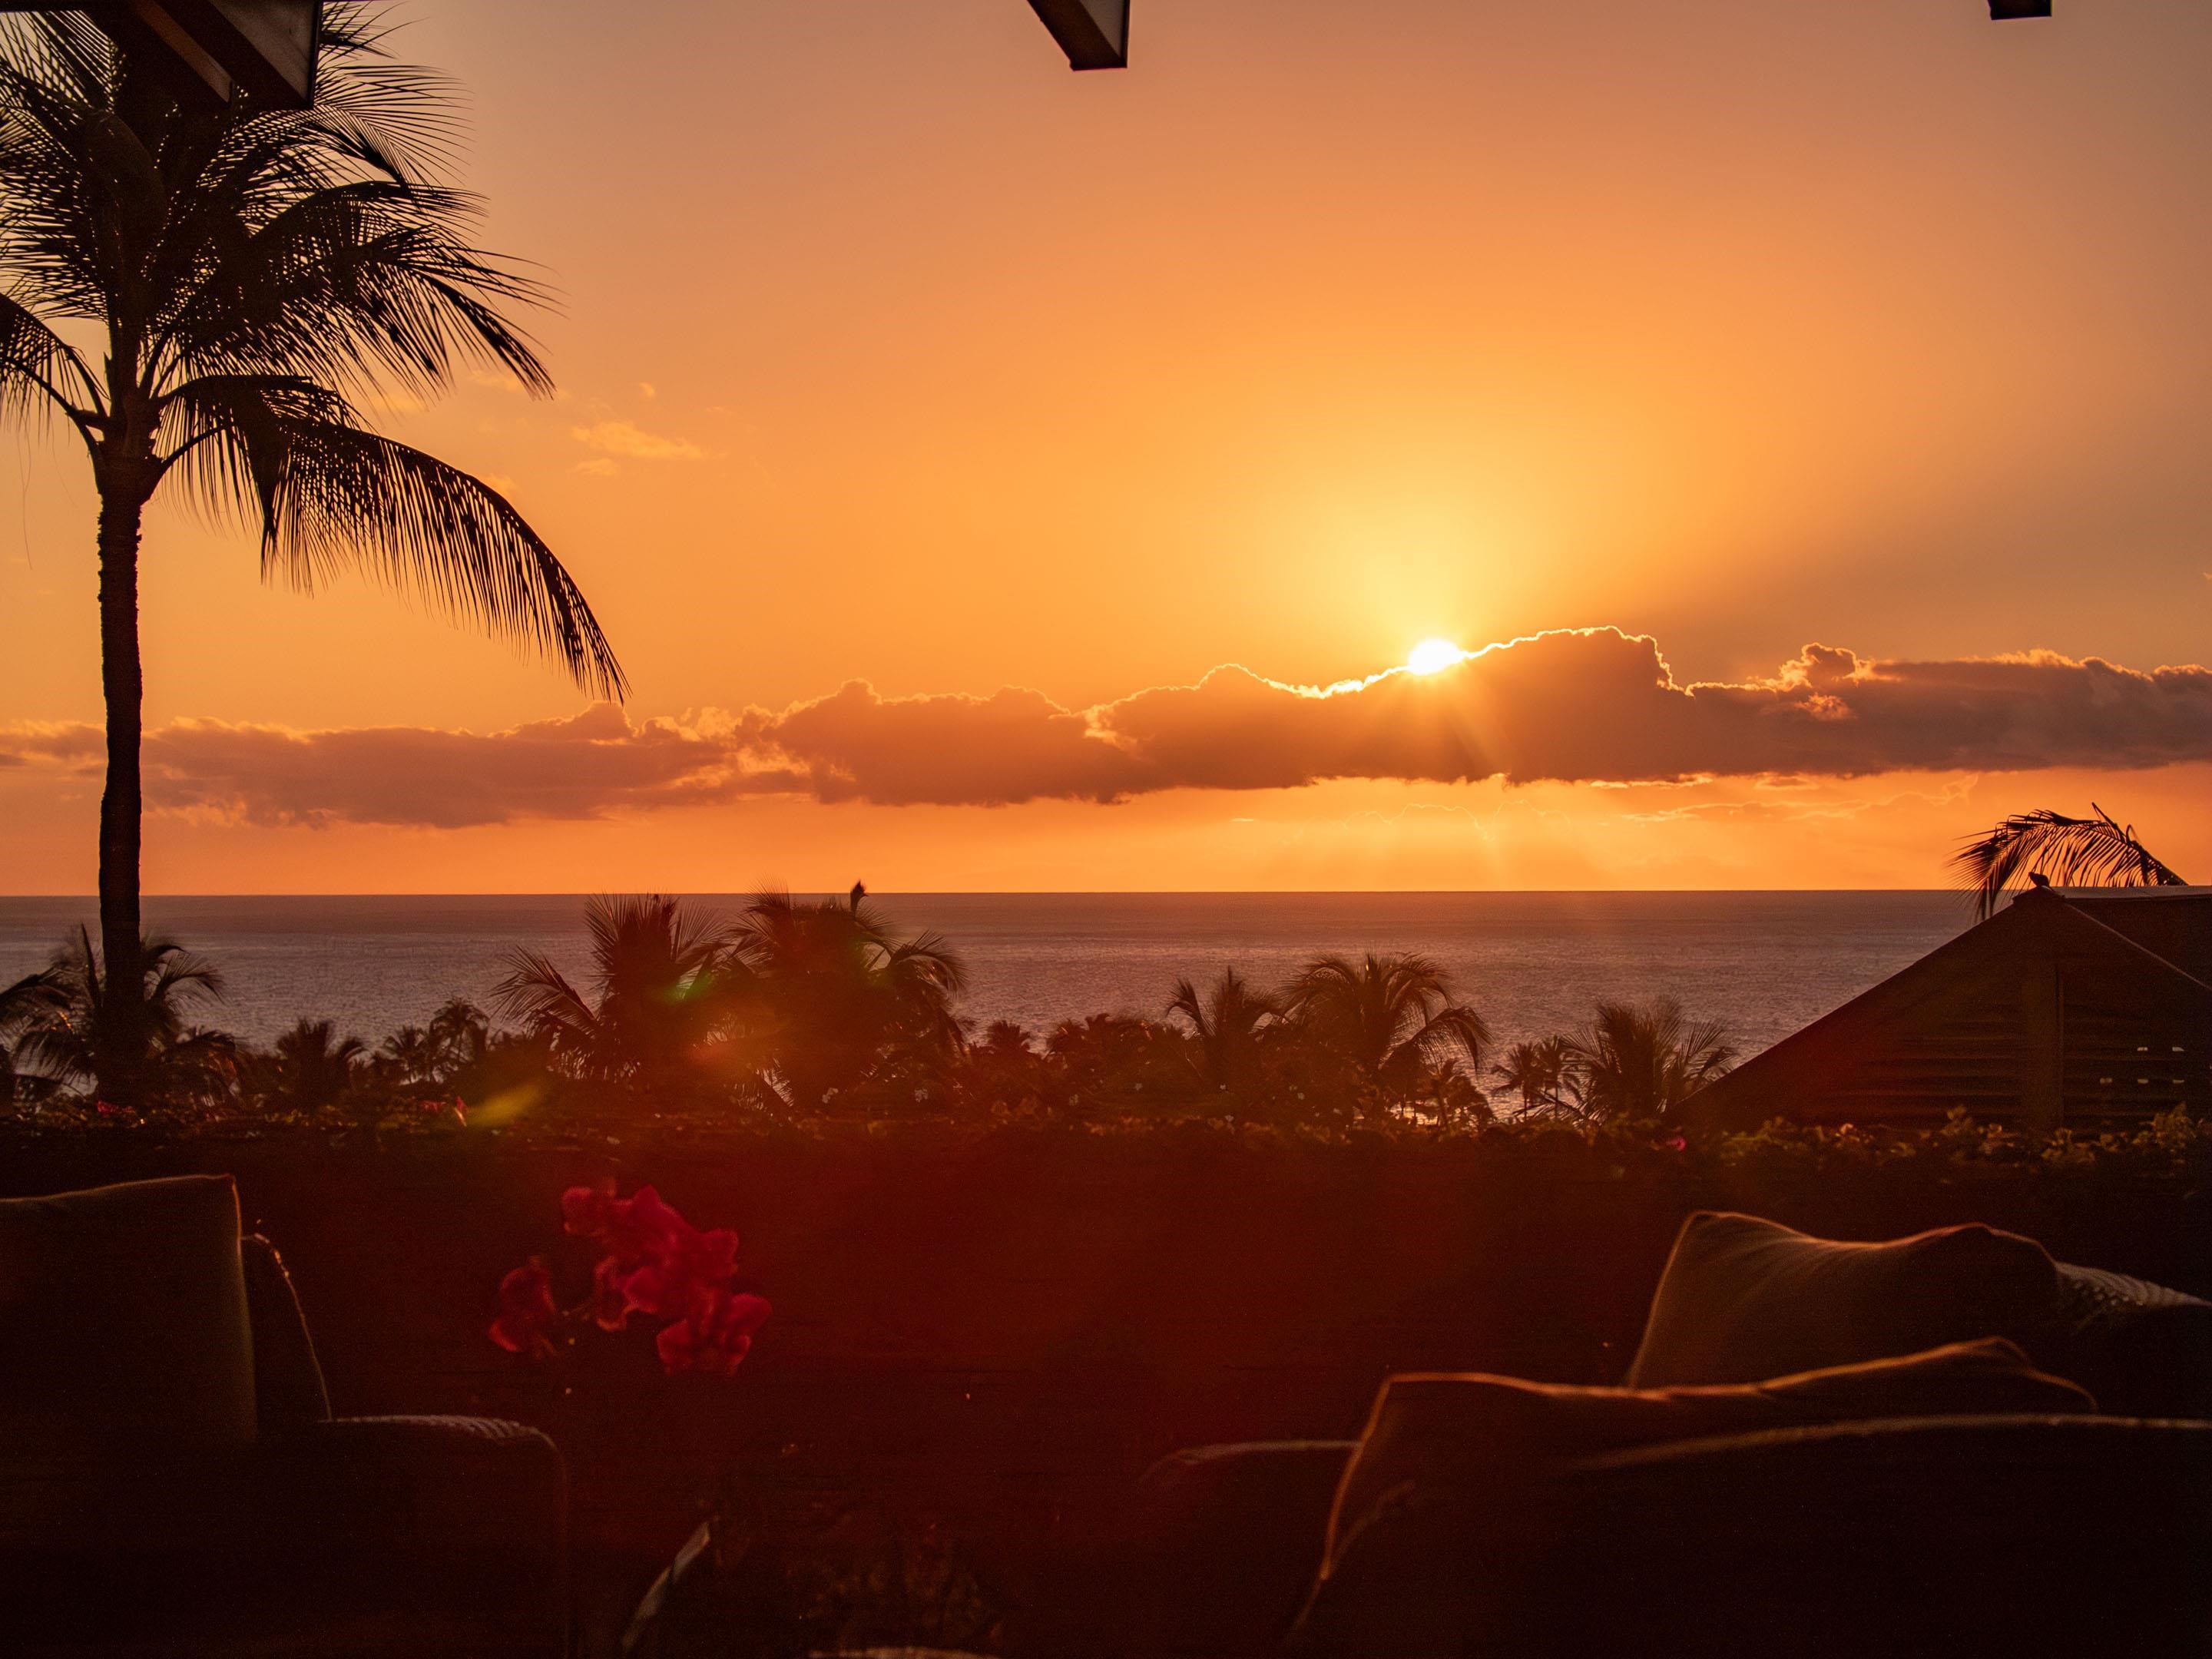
[118, 1036]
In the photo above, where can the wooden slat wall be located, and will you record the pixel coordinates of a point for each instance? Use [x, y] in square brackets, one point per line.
[2119, 1064]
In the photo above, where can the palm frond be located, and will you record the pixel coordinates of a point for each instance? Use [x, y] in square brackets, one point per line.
[345, 497]
[2068, 852]
[38, 368]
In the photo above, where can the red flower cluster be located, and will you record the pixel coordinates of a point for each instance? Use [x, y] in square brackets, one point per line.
[654, 1263]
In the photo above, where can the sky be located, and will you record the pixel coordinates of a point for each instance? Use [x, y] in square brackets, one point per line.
[994, 477]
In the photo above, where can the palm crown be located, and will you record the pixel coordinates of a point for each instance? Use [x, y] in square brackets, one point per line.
[1392, 1015]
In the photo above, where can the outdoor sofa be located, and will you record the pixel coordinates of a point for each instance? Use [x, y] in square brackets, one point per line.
[2026, 1471]
[171, 1481]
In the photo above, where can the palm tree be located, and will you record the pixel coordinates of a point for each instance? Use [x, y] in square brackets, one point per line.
[1228, 1024]
[30, 1002]
[178, 1063]
[459, 1035]
[253, 273]
[1642, 1062]
[844, 1000]
[1539, 1072]
[315, 1069]
[409, 1057]
[2093, 851]
[1390, 1018]
[658, 1020]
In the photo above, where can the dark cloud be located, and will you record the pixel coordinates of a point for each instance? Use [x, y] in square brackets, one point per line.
[1598, 705]
[1015, 745]
[587, 766]
[1587, 705]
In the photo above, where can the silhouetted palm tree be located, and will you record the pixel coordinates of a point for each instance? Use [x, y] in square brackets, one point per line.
[314, 1068]
[28, 1003]
[659, 1013]
[2094, 852]
[409, 1057]
[1642, 1062]
[1539, 1072]
[179, 1062]
[845, 1000]
[1391, 1018]
[1229, 1024]
[251, 272]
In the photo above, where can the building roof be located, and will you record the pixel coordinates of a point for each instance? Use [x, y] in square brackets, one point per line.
[2173, 922]
[1947, 1027]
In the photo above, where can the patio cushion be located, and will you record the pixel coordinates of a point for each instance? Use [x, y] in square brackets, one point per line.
[1743, 1298]
[1486, 1438]
[123, 1322]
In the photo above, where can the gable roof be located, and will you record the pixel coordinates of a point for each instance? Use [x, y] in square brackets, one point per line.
[2173, 922]
[1980, 969]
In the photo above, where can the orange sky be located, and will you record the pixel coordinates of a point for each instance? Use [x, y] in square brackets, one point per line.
[892, 351]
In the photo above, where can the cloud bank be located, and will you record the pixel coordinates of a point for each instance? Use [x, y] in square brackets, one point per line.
[1591, 705]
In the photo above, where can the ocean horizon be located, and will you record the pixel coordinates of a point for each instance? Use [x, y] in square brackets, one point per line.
[1761, 962]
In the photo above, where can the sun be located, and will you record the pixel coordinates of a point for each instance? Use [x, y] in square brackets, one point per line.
[1432, 656]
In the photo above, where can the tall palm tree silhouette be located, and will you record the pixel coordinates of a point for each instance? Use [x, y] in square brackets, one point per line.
[1390, 1016]
[253, 273]
[2092, 851]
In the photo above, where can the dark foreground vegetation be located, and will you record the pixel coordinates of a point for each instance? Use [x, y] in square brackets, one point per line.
[993, 1327]
[1008, 1270]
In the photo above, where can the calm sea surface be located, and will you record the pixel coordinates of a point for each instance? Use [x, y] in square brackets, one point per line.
[1533, 962]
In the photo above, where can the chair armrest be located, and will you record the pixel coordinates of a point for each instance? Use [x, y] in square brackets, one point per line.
[443, 1515]
[1209, 1554]
[1227, 1540]
[432, 1485]
[422, 1535]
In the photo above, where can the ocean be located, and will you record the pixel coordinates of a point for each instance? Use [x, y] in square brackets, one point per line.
[1532, 963]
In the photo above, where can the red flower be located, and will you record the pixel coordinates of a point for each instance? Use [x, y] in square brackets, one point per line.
[525, 1311]
[654, 1263]
[690, 1265]
[635, 1230]
[716, 1336]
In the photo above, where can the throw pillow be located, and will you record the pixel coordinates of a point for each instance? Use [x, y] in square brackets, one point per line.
[1743, 1298]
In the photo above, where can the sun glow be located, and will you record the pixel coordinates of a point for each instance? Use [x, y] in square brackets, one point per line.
[1432, 656]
